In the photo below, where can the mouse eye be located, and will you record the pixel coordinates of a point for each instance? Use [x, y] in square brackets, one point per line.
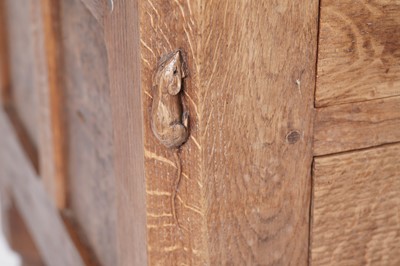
[175, 71]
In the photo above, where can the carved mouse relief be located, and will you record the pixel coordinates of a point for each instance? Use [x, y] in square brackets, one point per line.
[169, 119]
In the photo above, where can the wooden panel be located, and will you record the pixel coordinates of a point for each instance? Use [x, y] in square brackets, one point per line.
[356, 126]
[121, 31]
[245, 191]
[33, 202]
[359, 51]
[89, 129]
[22, 64]
[356, 208]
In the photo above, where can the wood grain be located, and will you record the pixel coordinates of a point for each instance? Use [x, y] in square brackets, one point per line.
[121, 33]
[356, 208]
[355, 126]
[359, 51]
[48, 87]
[244, 196]
[33, 202]
[90, 157]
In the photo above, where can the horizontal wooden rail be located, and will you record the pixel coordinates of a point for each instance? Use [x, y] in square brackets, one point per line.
[39, 213]
[355, 126]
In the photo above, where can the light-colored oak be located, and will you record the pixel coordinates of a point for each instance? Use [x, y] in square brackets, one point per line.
[355, 126]
[121, 33]
[245, 190]
[36, 208]
[356, 209]
[359, 51]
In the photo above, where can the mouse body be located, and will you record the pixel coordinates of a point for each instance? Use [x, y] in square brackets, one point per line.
[169, 120]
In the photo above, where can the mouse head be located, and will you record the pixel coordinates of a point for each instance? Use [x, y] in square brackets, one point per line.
[170, 72]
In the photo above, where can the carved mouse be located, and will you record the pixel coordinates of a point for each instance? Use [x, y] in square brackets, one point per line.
[169, 120]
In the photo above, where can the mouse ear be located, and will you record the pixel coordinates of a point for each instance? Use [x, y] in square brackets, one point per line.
[184, 69]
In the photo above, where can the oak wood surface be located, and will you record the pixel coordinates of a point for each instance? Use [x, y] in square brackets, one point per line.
[90, 158]
[35, 206]
[244, 195]
[356, 208]
[121, 33]
[359, 51]
[354, 126]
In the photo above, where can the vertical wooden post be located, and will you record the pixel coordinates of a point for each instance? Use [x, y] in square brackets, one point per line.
[52, 149]
[245, 192]
[122, 41]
